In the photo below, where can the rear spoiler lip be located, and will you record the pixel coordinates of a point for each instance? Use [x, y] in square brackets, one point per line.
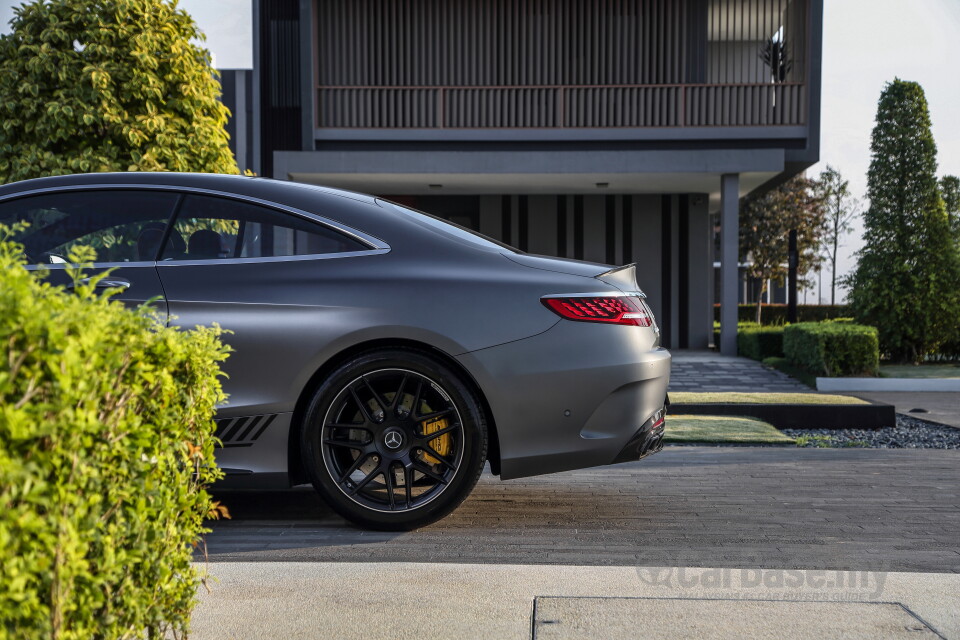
[623, 278]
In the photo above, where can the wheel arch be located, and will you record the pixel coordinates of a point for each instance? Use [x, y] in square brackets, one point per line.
[295, 468]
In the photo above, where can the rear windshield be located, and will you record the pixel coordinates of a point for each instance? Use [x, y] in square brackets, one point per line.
[450, 228]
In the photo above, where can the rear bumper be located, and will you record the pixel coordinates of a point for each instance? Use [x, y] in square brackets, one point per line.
[573, 397]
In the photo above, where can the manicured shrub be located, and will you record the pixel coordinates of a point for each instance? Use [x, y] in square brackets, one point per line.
[777, 313]
[832, 348]
[759, 342]
[106, 447]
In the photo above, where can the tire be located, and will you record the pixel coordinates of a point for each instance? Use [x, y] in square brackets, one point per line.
[394, 439]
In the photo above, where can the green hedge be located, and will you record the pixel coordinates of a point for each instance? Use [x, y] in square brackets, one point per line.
[832, 348]
[759, 342]
[106, 446]
[777, 313]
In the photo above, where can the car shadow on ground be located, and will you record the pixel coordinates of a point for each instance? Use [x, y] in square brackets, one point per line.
[296, 504]
[547, 514]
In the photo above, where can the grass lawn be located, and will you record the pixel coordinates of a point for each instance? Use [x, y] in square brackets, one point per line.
[722, 429]
[920, 371]
[736, 397]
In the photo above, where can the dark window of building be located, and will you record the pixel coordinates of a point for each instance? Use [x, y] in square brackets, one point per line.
[120, 226]
[280, 106]
[209, 228]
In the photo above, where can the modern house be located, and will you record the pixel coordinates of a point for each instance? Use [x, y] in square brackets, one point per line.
[606, 130]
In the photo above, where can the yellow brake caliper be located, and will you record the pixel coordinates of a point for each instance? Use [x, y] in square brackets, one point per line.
[441, 445]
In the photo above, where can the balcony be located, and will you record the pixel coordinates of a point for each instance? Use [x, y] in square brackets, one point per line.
[579, 66]
[562, 107]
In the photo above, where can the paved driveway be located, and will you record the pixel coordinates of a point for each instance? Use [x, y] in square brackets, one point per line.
[854, 509]
[710, 371]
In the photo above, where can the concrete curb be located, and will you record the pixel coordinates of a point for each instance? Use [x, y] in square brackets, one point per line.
[946, 385]
[799, 416]
[426, 600]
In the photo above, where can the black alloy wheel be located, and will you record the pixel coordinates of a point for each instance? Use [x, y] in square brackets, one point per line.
[394, 440]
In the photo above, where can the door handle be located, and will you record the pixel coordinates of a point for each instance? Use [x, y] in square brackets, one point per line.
[106, 283]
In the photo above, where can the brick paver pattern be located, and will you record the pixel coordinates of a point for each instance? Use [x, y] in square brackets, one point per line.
[736, 375]
[770, 507]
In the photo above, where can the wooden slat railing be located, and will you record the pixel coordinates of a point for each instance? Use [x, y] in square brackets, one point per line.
[546, 107]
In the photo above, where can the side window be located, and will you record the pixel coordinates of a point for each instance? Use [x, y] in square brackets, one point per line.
[120, 225]
[209, 227]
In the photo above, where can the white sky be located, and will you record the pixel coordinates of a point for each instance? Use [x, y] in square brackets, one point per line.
[867, 43]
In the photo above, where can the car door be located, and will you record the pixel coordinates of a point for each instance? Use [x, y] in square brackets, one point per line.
[124, 227]
[266, 277]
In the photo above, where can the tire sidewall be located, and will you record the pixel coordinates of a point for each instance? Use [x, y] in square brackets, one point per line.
[474, 439]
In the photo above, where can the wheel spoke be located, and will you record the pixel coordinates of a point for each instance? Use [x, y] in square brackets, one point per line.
[433, 454]
[434, 415]
[429, 473]
[360, 485]
[376, 396]
[364, 409]
[388, 476]
[408, 484]
[429, 437]
[416, 400]
[344, 442]
[399, 395]
[356, 465]
[347, 425]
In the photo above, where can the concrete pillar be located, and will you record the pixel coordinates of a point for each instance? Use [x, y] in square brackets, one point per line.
[256, 165]
[308, 80]
[729, 261]
[240, 118]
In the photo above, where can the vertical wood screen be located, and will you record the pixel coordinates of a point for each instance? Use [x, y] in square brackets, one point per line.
[559, 63]
[279, 77]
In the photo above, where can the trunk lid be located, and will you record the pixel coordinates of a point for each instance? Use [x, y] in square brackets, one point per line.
[623, 278]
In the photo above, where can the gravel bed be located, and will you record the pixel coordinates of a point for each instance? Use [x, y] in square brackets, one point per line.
[910, 433]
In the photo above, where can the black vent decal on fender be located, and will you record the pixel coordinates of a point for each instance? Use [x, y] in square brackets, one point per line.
[242, 432]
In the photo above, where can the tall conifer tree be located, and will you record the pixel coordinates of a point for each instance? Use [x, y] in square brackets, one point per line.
[907, 280]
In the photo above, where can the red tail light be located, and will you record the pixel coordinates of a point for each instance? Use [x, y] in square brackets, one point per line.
[610, 309]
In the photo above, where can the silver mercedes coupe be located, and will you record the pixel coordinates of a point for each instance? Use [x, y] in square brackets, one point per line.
[380, 353]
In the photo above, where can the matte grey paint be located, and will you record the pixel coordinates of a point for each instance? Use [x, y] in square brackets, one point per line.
[478, 304]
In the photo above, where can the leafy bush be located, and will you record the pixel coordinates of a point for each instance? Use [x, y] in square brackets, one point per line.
[832, 348]
[757, 342]
[777, 313]
[106, 447]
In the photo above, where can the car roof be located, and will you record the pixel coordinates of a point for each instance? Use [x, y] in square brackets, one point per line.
[266, 188]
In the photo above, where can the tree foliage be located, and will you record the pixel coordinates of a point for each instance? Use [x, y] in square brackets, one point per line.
[112, 85]
[765, 223]
[907, 280]
[106, 446]
[950, 191]
[841, 209]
